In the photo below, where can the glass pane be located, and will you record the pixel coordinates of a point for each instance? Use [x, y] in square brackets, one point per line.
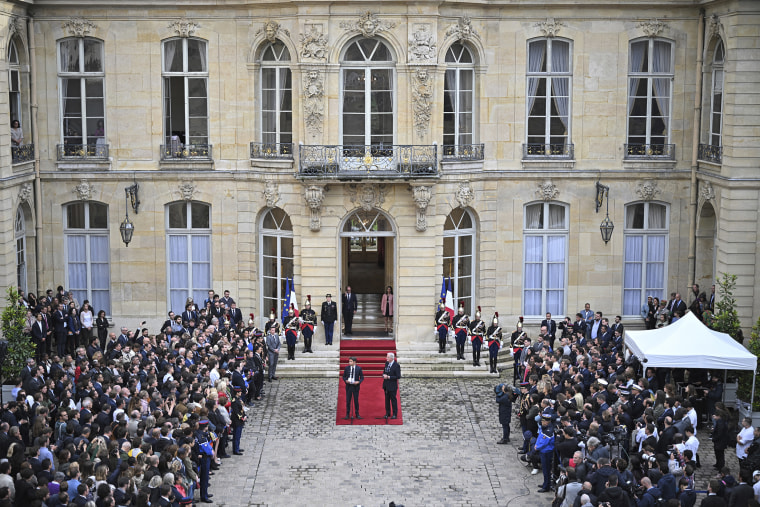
[196, 55]
[466, 222]
[196, 87]
[98, 215]
[661, 56]
[634, 216]
[448, 246]
[382, 53]
[93, 55]
[178, 248]
[69, 52]
[178, 215]
[269, 245]
[99, 252]
[534, 216]
[465, 245]
[465, 264]
[75, 215]
[560, 56]
[200, 215]
[353, 102]
[354, 54]
[173, 55]
[286, 248]
[381, 79]
[353, 79]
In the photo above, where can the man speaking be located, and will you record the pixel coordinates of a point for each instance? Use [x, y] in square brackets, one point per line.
[391, 374]
[353, 376]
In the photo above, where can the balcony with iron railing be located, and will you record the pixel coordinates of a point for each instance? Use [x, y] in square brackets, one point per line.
[542, 151]
[710, 153]
[272, 151]
[355, 162]
[650, 151]
[180, 152]
[463, 152]
[22, 154]
[81, 152]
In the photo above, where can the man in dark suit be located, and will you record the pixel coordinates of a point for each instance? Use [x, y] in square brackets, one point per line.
[551, 328]
[353, 376]
[39, 335]
[743, 493]
[189, 314]
[235, 314]
[328, 317]
[348, 309]
[391, 374]
[679, 305]
[719, 438]
[59, 324]
[712, 499]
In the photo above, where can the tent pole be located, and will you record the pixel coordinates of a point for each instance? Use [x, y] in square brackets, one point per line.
[752, 396]
[725, 373]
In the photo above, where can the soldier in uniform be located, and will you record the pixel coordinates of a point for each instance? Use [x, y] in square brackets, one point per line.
[291, 333]
[494, 342]
[477, 330]
[517, 341]
[461, 324]
[238, 420]
[271, 322]
[328, 317]
[308, 323]
[203, 459]
[442, 321]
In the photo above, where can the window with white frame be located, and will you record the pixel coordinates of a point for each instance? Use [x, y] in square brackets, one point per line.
[15, 85]
[459, 256]
[458, 99]
[81, 78]
[276, 96]
[185, 76]
[367, 93]
[548, 93]
[716, 104]
[19, 229]
[545, 236]
[650, 78]
[645, 254]
[88, 272]
[188, 250]
[276, 240]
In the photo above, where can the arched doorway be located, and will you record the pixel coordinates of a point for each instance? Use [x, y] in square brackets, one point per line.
[705, 254]
[367, 241]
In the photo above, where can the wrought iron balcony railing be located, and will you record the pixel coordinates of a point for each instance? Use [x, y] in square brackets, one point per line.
[548, 151]
[82, 152]
[23, 153]
[710, 153]
[272, 150]
[650, 151]
[465, 152]
[176, 151]
[372, 161]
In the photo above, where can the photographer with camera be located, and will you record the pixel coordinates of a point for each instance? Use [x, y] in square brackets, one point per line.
[613, 494]
[505, 395]
[648, 495]
[603, 472]
[568, 487]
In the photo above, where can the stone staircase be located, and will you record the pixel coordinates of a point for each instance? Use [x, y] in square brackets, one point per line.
[421, 359]
[322, 363]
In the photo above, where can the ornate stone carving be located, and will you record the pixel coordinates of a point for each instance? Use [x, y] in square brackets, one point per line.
[550, 27]
[647, 190]
[367, 195]
[78, 27]
[463, 30]
[464, 194]
[84, 190]
[314, 45]
[714, 26]
[706, 191]
[187, 190]
[422, 95]
[422, 47]
[313, 104]
[271, 194]
[25, 193]
[653, 27]
[547, 190]
[15, 27]
[422, 195]
[368, 24]
[314, 195]
[184, 27]
[272, 30]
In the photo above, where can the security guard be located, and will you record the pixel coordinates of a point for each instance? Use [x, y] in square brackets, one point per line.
[494, 342]
[203, 457]
[238, 420]
[461, 324]
[328, 317]
[477, 330]
[442, 321]
[308, 323]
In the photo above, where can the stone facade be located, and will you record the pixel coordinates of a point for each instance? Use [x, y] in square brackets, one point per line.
[240, 187]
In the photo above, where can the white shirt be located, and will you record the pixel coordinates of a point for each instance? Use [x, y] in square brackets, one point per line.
[693, 444]
[756, 487]
[692, 415]
[745, 435]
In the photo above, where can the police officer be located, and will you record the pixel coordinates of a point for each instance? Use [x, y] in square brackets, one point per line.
[461, 324]
[238, 420]
[328, 317]
[442, 321]
[494, 342]
[477, 330]
[308, 323]
[203, 458]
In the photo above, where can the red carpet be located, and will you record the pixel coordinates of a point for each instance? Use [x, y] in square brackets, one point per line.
[370, 355]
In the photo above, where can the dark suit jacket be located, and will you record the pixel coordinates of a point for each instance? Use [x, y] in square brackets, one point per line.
[358, 375]
[329, 312]
[713, 501]
[236, 315]
[348, 306]
[39, 330]
[394, 372]
[59, 322]
[551, 325]
[741, 495]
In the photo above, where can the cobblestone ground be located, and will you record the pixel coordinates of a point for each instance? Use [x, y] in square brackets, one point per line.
[445, 453]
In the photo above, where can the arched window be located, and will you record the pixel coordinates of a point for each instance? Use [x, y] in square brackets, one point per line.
[19, 229]
[716, 104]
[188, 252]
[548, 94]
[645, 254]
[458, 99]
[459, 256]
[367, 93]
[185, 76]
[545, 236]
[82, 79]
[650, 76]
[276, 247]
[88, 273]
[276, 98]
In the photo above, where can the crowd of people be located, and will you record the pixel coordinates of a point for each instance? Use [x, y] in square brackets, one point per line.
[604, 429]
[101, 419]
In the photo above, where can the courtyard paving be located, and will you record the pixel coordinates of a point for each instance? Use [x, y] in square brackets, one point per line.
[445, 453]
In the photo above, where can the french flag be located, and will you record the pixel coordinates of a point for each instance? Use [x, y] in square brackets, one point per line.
[449, 298]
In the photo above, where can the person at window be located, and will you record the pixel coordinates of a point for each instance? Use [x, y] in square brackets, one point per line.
[100, 130]
[386, 306]
[17, 134]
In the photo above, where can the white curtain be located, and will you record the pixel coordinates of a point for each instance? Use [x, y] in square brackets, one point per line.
[536, 55]
[201, 252]
[202, 53]
[170, 47]
[633, 255]
[532, 281]
[534, 216]
[556, 216]
[285, 97]
[100, 276]
[556, 253]
[661, 64]
[657, 214]
[638, 52]
[655, 279]
[179, 276]
[76, 253]
[560, 85]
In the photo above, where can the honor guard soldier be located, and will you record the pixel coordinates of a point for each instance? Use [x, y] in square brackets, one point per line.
[494, 342]
[328, 317]
[271, 322]
[238, 420]
[442, 321]
[292, 325]
[308, 323]
[518, 337]
[461, 323]
[477, 331]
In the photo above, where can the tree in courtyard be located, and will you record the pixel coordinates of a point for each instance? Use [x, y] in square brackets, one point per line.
[726, 318]
[19, 345]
